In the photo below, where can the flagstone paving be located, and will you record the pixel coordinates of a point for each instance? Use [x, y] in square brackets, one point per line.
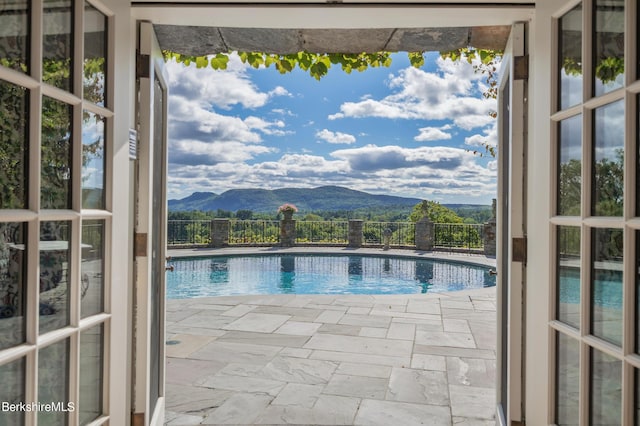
[333, 360]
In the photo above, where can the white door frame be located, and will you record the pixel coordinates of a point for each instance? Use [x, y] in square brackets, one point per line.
[511, 196]
[408, 16]
[150, 52]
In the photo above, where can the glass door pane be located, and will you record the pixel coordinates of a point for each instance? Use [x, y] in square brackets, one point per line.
[608, 58]
[14, 40]
[570, 166]
[13, 284]
[55, 261]
[91, 377]
[56, 152]
[14, 142]
[606, 389]
[568, 277]
[92, 269]
[53, 382]
[12, 377]
[95, 55]
[608, 160]
[570, 78]
[567, 380]
[606, 284]
[58, 43]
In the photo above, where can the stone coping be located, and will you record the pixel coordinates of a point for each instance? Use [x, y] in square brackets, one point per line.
[474, 259]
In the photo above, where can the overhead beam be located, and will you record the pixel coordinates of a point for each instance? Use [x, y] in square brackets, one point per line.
[341, 16]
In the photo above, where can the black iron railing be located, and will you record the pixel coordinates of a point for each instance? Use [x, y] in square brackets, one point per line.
[322, 232]
[188, 233]
[254, 232]
[401, 234]
[197, 233]
[458, 235]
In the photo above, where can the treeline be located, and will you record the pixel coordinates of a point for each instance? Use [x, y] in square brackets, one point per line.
[437, 213]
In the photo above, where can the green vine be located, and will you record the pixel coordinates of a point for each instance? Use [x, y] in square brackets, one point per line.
[316, 64]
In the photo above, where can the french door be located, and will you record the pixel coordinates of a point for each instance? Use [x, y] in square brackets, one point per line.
[594, 222]
[150, 230]
[59, 325]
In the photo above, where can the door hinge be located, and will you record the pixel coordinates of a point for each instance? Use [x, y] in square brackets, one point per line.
[137, 419]
[140, 245]
[521, 67]
[519, 249]
[143, 66]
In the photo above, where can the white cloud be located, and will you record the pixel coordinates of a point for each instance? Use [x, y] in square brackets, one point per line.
[273, 128]
[335, 137]
[372, 158]
[219, 88]
[200, 135]
[451, 93]
[280, 91]
[489, 137]
[197, 152]
[190, 121]
[432, 134]
[282, 111]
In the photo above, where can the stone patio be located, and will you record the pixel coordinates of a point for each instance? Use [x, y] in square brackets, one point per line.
[332, 359]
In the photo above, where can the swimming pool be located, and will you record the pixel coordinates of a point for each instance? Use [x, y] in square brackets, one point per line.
[319, 274]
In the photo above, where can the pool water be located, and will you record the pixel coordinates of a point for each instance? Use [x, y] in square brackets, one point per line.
[319, 274]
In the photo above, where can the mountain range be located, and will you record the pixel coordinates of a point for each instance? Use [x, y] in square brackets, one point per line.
[328, 198]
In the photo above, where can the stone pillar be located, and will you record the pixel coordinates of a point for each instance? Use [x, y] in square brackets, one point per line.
[424, 234]
[220, 232]
[490, 231]
[287, 232]
[355, 233]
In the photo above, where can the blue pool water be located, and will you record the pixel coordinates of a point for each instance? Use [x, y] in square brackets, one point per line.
[319, 274]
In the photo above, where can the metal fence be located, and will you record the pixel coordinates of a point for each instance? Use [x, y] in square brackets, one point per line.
[402, 233]
[194, 233]
[188, 233]
[322, 232]
[458, 235]
[254, 232]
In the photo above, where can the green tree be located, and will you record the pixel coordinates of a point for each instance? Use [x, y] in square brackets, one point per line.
[223, 213]
[244, 214]
[436, 212]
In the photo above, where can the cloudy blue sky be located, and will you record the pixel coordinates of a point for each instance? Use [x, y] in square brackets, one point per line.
[398, 130]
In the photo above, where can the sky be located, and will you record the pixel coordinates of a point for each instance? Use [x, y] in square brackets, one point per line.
[394, 130]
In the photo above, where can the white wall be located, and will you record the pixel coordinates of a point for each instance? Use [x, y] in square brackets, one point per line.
[122, 84]
[537, 358]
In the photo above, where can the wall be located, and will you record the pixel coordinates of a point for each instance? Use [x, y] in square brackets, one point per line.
[537, 214]
[122, 83]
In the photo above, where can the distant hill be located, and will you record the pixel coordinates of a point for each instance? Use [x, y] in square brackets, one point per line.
[328, 198]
